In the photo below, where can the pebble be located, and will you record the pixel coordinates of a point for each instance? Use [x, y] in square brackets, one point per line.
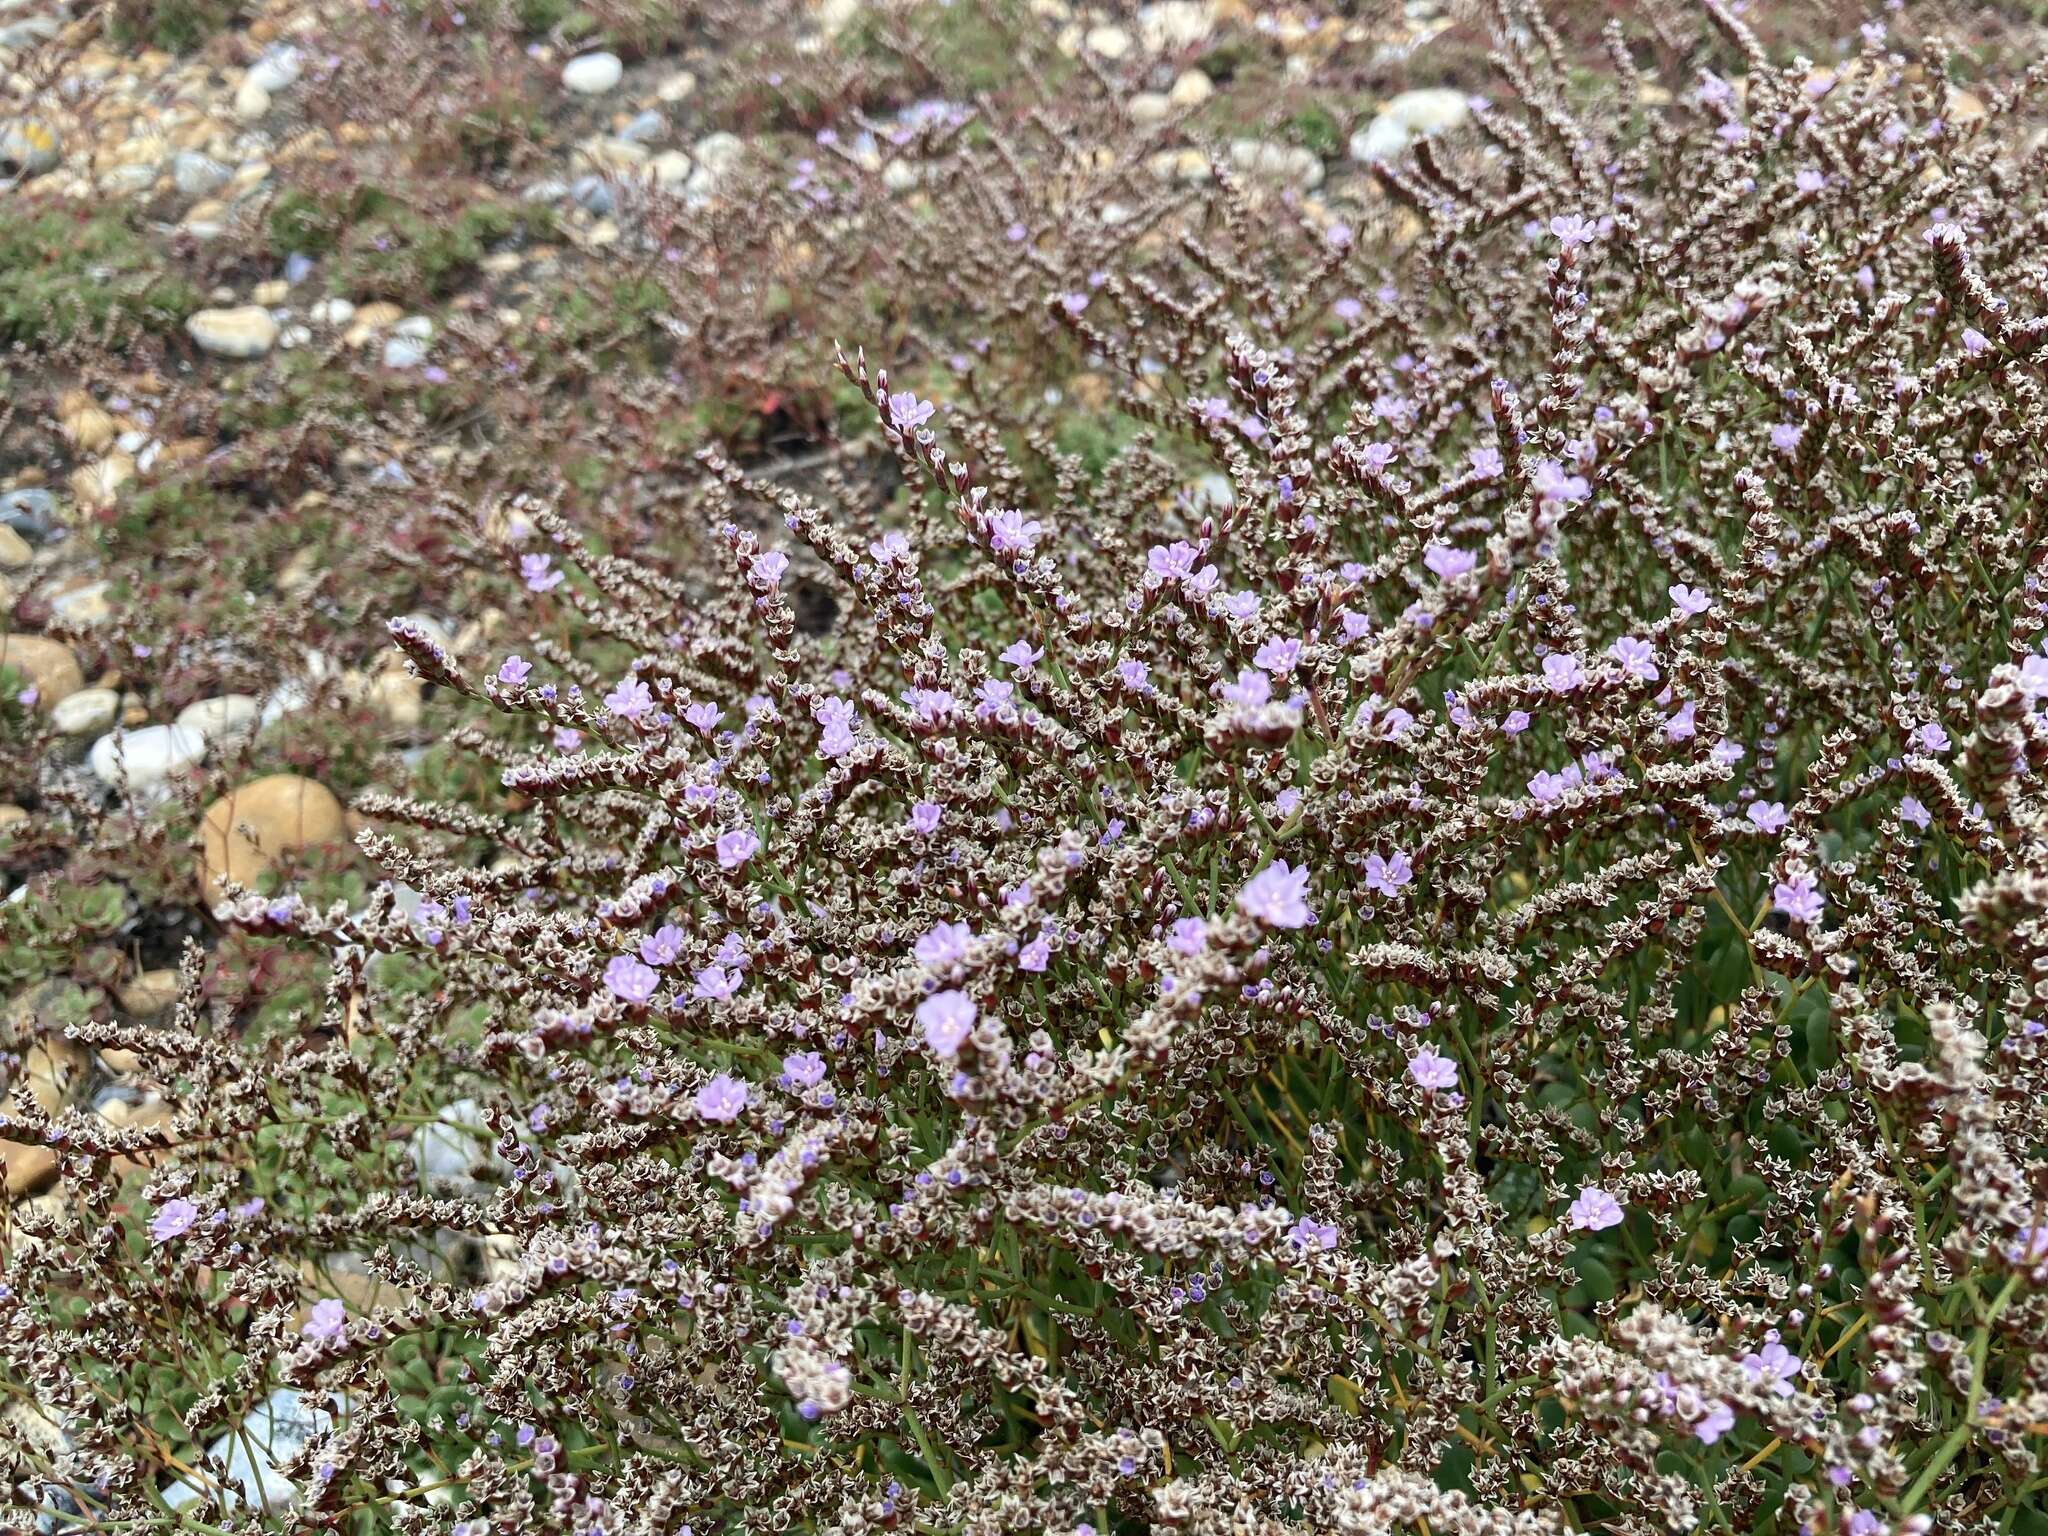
[15, 552]
[1407, 117]
[676, 87]
[592, 74]
[404, 352]
[28, 149]
[218, 718]
[1174, 25]
[48, 665]
[275, 1431]
[1108, 41]
[271, 293]
[31, 512]
[593, 194]
[1191, 89]
[1284, 165]
[644, 127]
[1149, 107]
[90, 711]
[277, 70]
[146, 996]
[245, 331]
[83, 607]
[137, 760]
[283, 813]
[252, 101]
[331, 312]
[197, 175]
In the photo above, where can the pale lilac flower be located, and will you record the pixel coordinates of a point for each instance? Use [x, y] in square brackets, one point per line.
[924, 818]
[1808, 179]
[1448, 562]
[535, 571]
[1277, 896]
[630, 981]
[1388, 876]
[630, 699]
[567, 738]
[945, 944]
[1035, 956]
[1431, 1070]
[835, 717]
[1728, 753]
[1636, 656]
[327, 1320]
[1252, 689]
[1023, 655]
[1799, 898]
[1278, 655]
[1240, 605]
[1931, 738]
[1554, 484]
[1690, 602]
[768, 567]
[1134, 675]
[716, 983]
[722, 1099]
[1571, 229]
[1718, 1420]
[1517, 721]
[1595, 1210]
[2034, 678]
[907, 413]
[1785, 436]
[803, 1069]
[1773, 1366]
[703, 716]
[734, 848]
[664, 946]
[1561, 671]
[1910, 809]
[514, 669]
[1975, 342]
[1487, 463]
[174, 1218]
[1188, 936]
[1768, 816]
[1011, 533]
[891, 548]
[947, 1019]
[996, 698]
[1547, 787]
[1680, 726]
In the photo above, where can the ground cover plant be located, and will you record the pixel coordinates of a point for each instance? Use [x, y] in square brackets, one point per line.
[1126, 787]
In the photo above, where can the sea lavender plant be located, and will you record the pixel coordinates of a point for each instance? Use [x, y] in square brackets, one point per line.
[1448, 938]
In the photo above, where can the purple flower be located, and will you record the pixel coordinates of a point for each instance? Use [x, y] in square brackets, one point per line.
[1022, 655]
[1719, 1419]
[944, 945]
[514, 669]
[1691, 602]
[703, 716]
[535, 571]
[1448, 562]
[630, 699]
[924, 818]
[663, 946]
[1910, 809]
[803, 1069]
[1554, 484]
[1680, 726]
[1931, 738]
[328, 1319]
[1279, 656]
[1036, 955]
[174, 1218]
[1276, 896]
[716, 984]
[1010, 532]
[734, 848]
[1487, 463]
[768, 567]
[1785, 436]
[1799, 898]
[1431, 1070]
[1188, 936]
[1516, 722]
[1561, 671]
[1252, 689]
[1387, 876]
[1595, 1210]
[1975, 342]
[1768, 816]
[722, 1099]
[1571, 229]
[567, 738]
[947, 1018]
[1774, 1365]
[1636, 657]
[1134, 675]
[1808, 179]
[907, 413]
[1309, 1234]
[630, 981]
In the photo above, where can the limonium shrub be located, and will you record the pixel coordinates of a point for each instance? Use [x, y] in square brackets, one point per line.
[1446, 933]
